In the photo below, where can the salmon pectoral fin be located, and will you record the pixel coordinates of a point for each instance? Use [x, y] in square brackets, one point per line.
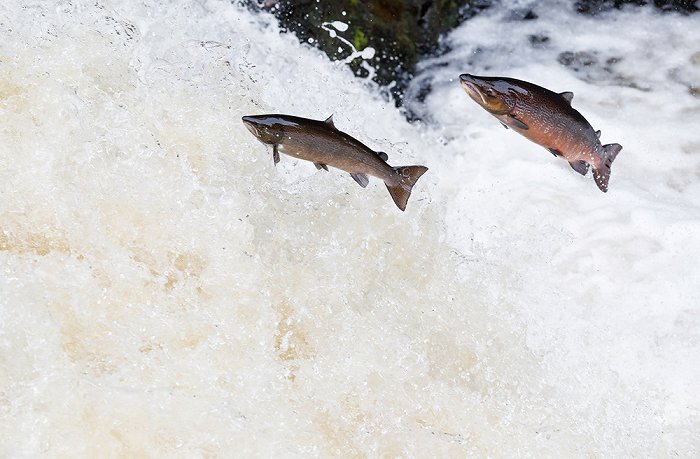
[409, 176]
[515, 122]
[320, 166]
[275, 154]
[602, 173]
[579, 166]
[361, 179]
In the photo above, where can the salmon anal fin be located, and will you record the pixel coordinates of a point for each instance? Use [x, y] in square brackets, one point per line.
[515, 122]
[568, 96]
[579, 166]
[361, 179]
[554, 151]
[320, 166]
[329, 121]
[275, 154]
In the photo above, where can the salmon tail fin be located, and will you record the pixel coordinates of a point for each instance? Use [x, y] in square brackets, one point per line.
[602, 173]
[409, 176]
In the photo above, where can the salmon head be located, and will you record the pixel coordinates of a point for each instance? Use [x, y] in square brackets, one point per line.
[496, 95]
[268, 129]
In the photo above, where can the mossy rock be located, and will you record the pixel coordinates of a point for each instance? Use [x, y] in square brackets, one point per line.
[401, 31]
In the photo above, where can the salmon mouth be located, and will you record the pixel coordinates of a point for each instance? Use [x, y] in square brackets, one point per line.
[471, 88]
[250, 125]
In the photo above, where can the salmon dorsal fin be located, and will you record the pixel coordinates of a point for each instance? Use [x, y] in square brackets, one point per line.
[568, 96]
[329, 122]
[383, 155]
[597, 133]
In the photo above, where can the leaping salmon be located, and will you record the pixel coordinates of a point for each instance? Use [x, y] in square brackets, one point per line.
[546, 118]
[324, 145]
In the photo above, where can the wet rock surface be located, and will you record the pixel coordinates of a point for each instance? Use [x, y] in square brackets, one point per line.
[599, 6]
[593, 67]
[385, 39]
[399, 31]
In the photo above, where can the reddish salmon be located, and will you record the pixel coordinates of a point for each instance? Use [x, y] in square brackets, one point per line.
[546, 118]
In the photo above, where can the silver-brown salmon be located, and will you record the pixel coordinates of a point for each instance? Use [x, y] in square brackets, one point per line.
[324, 145]
[546, 118]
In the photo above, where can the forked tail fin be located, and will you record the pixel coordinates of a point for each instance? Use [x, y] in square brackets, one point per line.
[602, 174]
[409, 176]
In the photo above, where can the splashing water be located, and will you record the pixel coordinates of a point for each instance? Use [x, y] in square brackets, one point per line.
[167, 291]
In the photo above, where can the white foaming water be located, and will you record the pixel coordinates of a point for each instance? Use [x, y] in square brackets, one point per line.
[167, 291]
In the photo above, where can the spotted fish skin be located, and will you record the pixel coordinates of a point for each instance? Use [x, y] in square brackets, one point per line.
[546, 118]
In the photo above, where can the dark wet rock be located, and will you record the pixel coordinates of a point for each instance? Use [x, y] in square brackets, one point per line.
[404, 31]
[538, 40]
[688, 76]
[522, 14]
[530, 15]
[593, 67]
[578, 61]
[401, 31]
[599, 6]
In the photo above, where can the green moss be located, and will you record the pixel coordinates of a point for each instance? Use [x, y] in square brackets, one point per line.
[359, 41]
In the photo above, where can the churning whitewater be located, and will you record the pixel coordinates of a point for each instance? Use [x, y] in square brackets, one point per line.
[166, 290]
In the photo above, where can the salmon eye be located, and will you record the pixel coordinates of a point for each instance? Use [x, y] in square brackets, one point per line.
[490, 93]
